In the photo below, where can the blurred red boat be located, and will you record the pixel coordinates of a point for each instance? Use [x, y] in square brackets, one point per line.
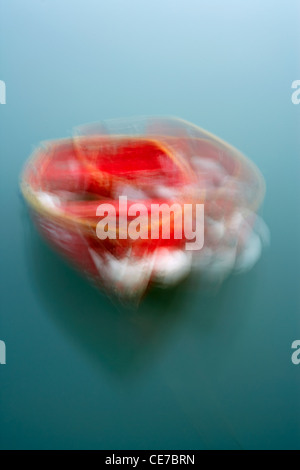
[148, 160]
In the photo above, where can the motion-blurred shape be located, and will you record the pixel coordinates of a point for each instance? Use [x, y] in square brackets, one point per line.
[92, 197]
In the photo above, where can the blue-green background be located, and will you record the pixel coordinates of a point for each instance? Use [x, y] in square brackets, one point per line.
[190, 369]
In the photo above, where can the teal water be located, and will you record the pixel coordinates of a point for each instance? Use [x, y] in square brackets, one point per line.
[190, 369]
